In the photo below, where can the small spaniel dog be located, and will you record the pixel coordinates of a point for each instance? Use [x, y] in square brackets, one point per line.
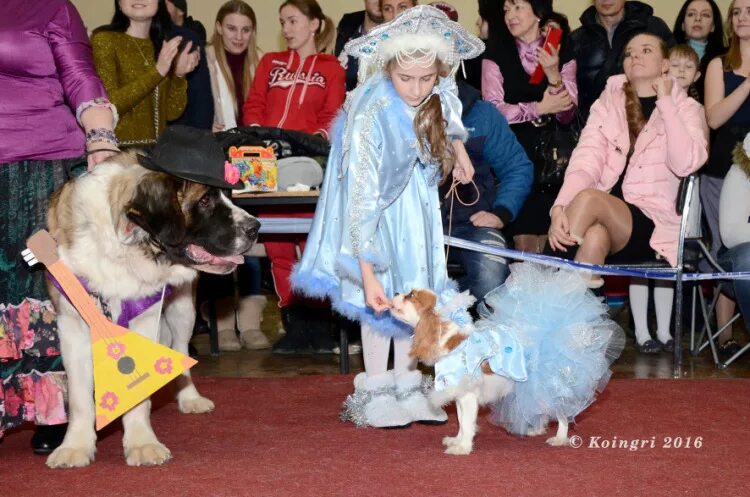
[434, 338]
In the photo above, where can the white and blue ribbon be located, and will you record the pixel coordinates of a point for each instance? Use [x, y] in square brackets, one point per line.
[302, 225]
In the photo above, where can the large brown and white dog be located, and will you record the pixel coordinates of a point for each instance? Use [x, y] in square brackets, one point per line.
[435, 337]
[128, 232]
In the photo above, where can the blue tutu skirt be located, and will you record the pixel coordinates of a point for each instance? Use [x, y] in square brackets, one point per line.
[568, 339]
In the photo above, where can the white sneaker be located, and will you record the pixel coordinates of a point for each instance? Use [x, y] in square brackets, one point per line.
[374, 403]
[411, 393]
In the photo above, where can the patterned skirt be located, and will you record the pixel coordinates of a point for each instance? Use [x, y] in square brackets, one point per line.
[32, 380]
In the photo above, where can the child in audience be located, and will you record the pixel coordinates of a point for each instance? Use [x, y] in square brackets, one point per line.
[683, 67]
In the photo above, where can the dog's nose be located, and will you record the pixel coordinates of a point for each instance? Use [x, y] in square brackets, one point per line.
[252, 228]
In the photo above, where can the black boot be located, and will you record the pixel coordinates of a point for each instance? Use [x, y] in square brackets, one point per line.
[47, 438]
[321, 339]
[297, 339]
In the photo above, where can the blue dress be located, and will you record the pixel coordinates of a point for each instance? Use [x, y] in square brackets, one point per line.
[379, 202]
[568, 343]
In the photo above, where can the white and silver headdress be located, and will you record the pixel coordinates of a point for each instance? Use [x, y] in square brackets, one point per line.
[418, 36]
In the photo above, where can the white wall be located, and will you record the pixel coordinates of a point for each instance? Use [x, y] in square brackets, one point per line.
[98, 12]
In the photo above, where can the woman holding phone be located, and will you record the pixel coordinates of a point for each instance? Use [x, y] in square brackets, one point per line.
[513, 55]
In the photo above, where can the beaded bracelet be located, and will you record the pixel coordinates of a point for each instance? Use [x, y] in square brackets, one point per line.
[101, 135]
[98, 102]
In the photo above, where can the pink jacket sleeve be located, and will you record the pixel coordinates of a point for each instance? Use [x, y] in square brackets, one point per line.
[588, 159]
[493, 91]
[687, 135]
[73, 57]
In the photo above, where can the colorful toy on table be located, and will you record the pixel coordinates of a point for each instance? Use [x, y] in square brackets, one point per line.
[257, 168]
[128, 367]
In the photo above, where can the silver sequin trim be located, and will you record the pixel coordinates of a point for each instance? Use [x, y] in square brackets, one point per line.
[360, 182]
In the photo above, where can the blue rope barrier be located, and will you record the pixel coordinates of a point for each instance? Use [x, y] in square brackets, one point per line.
[302, 225]
[667, 273]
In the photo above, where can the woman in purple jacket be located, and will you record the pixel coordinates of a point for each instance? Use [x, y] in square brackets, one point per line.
[54, 114]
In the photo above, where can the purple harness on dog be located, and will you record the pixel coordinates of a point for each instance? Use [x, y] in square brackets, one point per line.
[129, 309]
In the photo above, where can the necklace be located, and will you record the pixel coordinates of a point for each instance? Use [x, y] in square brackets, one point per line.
[145, 60]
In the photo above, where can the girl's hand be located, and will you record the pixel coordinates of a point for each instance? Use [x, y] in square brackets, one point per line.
[168, 52]
[217, 127]
[663, 86]
[187, 61]
[559, 230]
[375, 295]
[463, 170]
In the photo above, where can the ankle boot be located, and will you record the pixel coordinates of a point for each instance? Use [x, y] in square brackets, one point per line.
[249, 317]
[374, 403]
[411, 392]
[225, 324]
[47, 438]
[320, 336]
[297, 339]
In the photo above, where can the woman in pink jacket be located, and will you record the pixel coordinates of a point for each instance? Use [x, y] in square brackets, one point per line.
[644, 133]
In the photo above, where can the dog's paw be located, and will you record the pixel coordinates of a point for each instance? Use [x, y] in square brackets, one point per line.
[196, 405]
[449, 441]
[458, 449]
[152, 454]
[558, 441]
[71, 457]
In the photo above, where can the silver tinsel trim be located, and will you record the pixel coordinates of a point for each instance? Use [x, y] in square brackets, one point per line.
[354, 406]
[425, 387]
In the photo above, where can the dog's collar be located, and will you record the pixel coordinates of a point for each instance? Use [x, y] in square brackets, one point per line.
[129, 308]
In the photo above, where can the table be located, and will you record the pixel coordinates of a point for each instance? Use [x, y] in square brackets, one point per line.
[275, 198]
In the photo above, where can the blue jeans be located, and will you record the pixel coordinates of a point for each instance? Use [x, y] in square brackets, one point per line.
[482, 272]
[738, 259]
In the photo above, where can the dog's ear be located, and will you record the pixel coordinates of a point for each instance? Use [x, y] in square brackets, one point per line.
[155, 207]
[426, 336]
[423, 300]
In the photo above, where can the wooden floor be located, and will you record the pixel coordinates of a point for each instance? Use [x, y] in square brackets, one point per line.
[265, 364]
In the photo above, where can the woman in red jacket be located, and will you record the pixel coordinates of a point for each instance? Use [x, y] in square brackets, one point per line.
[300, 89]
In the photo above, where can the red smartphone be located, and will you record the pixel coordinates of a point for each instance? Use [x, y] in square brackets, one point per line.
[553, 39]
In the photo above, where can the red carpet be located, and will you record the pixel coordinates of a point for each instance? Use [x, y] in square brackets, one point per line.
[282, 437]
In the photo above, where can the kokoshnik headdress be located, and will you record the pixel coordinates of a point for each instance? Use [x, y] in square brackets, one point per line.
[417, 37]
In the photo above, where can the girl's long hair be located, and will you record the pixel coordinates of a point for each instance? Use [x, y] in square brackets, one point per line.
[429, 126]
[161, 25]
[733, 58]
[633, 110]
[252, 57]
[326, 34]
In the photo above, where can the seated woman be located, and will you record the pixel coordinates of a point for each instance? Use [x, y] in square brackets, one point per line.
[734, 225]
[301, 88]
[618, 199]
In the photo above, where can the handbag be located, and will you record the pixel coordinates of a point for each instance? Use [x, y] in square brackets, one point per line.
[553, 151]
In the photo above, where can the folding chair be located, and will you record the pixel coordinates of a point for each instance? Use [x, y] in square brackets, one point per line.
[688, 205]
[708, 336]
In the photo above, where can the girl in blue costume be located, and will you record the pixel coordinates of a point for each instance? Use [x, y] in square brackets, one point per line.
[377, 229]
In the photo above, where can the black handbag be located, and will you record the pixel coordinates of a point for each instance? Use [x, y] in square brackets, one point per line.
[553, 151]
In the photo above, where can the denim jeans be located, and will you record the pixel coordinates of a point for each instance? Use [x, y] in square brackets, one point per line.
[482, 272]
[737, 259]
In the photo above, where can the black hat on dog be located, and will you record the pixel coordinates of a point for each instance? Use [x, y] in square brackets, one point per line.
[189, 153]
